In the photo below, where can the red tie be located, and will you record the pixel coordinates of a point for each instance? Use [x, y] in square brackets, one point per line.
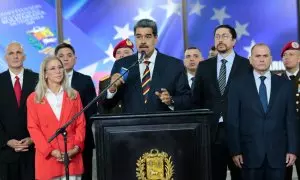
[17, 88]
[146, 81]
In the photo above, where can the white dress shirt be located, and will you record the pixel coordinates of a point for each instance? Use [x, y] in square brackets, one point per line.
[142, 67]
[55, 101]
[70, 76]
[229, 59]
[267, 82]
[190, 76]
[13, 77]
[291, 74]
[229, 63]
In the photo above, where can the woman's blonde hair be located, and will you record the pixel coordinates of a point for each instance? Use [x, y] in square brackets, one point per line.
[42, 86]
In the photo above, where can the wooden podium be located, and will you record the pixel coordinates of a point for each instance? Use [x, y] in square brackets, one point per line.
[161, 146]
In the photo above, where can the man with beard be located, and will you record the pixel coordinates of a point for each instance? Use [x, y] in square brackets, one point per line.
[148, 87]
[192, 57]
[210, 91]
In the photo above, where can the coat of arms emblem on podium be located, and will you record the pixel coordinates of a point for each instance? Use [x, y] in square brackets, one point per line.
[155, 165]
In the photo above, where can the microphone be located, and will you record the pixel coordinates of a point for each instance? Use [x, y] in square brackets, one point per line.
[143, 54]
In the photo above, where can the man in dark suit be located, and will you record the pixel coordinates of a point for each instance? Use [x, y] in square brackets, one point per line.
[16, 146]
[157, 84]
[210, 90]
[122, 49]
[84, 85]
[192, 57]
[291, 57]
[261, 124]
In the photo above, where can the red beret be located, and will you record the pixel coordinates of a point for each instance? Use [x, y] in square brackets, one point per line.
[290, 46]
[123, 44]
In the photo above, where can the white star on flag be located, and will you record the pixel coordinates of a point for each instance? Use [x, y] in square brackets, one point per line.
[109, 53]
[89, 70]
[220, 15]
[123, 33]
[144, 14]
[248, 48]
[196, 8]
[241, 29]
[171, 8]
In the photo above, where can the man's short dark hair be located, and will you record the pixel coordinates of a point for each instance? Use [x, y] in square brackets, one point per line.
[231, 30]
[64, 45]
[146, 23]
[192, 47]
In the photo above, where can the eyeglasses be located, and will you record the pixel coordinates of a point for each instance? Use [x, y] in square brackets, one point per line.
[55, 69]
[223, 36]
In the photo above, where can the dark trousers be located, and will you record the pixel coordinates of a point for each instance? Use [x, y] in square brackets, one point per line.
[221, 159]
[265, 172]
[289, 171]
[22, 169]
[87, 157]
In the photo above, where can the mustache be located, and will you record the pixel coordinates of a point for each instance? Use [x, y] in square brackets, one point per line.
[143, 46]
[221, 44]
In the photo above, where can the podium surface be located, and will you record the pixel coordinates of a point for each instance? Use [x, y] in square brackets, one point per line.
[162, 146]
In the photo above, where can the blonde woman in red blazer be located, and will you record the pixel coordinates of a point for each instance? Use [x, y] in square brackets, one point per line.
[52, 104]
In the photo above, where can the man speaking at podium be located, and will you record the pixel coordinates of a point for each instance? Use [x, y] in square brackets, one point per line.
[157, 83]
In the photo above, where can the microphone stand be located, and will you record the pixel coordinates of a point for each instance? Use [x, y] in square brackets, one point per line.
[62, 130]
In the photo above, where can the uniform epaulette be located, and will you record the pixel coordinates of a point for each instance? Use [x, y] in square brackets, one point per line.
[105, 78]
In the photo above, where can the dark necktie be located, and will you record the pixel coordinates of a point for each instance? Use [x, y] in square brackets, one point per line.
[222, 76]
[146, 81]
[263, 93]
[18, 90]
[292, 77]
[192, 79]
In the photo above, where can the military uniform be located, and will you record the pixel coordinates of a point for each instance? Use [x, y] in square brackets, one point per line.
[296, 91]
[103, 83]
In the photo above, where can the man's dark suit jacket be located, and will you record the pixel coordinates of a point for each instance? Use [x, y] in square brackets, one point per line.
[206, 92]
[168, 73]
[102, 110]
[255, 134]
[85, 86]
[13, 120]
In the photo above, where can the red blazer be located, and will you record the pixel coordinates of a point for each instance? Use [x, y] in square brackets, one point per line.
[42, 123]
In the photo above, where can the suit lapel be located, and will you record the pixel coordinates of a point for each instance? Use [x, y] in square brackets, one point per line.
[10, 89]
[274, 89]
[134, 75]
[232, 72]
[214, 75]
[67, 106]
[73, 80]
[253, 88]
[156, 76]
[26, 87]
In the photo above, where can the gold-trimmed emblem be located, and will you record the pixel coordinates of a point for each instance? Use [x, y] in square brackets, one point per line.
[128, 42]
[155, 165]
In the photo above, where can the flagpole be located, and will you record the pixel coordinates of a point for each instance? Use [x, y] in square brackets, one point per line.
[59, 21]
[185, 24]
[298, 15]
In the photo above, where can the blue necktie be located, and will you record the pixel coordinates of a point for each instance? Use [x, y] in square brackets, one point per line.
[263, 93]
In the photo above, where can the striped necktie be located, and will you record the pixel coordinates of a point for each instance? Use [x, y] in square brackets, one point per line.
[146, 81]
[222, 76]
